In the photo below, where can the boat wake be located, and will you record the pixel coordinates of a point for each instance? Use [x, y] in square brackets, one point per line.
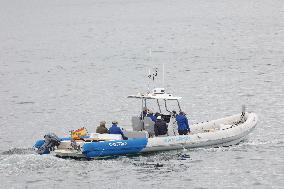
[19, 151]
[165, 162]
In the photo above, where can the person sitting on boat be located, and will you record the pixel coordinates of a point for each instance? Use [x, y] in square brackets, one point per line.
[114, 129]
[183, 126]
[102, 128]
[160, 127]
[152, 116]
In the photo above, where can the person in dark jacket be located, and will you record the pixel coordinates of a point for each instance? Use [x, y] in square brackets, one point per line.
[114, 129]
[160, 127]
[102, 128]
[183, 126]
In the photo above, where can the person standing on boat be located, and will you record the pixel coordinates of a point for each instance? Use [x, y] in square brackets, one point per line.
[183, 126]
[114, 129]
[102, 128]
[160, 127]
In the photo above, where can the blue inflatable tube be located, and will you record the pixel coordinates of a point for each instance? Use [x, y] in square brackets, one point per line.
[118, 147]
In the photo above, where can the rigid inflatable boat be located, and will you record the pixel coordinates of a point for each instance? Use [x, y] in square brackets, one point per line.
[221, 132]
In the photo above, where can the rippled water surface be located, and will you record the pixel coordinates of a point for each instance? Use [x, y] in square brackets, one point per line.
[69, 63]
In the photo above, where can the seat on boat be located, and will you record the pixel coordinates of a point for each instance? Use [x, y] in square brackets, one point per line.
[105, 136]
[172, 127]
[149, 126]
[137, 124]
[135, 134]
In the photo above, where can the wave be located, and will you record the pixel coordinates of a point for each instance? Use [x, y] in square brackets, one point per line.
[19, 151]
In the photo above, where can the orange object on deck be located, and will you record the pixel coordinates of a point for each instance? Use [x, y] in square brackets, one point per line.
[77, 134]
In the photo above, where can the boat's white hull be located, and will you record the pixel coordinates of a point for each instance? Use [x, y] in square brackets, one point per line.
[222, 132]
[217, 137]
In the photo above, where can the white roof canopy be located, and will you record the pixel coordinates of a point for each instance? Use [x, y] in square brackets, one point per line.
[158, 93]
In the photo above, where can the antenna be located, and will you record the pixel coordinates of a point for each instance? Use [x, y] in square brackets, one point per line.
[149, 76]
[163, 75]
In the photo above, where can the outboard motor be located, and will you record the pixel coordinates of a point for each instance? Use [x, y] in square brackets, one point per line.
[48, 144]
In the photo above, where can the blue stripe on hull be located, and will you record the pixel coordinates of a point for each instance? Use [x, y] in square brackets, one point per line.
[118, 147]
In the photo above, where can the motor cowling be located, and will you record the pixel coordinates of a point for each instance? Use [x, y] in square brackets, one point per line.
[49, 143]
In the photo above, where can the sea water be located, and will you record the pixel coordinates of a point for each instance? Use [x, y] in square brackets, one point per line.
[69, 64]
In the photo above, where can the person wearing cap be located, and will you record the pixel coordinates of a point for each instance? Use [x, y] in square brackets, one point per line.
[183, 126]
[152, 116]
[160, 127]
[114, 129]
[102, 128]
